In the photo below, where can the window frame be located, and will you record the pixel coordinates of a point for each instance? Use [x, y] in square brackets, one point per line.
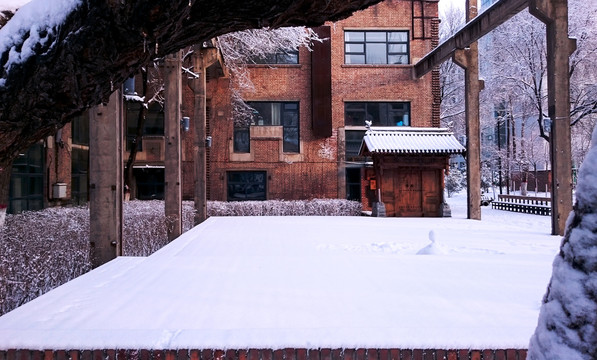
[154, 110]
[385, 121]
[288, 118]
[365, 42]
[277, 58]
[243, 182]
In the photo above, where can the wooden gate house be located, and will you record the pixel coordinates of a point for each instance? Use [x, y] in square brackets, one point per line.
[409, 166]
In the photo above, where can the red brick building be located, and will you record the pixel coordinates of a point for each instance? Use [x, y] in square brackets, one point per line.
[304, 140]
[311, 109]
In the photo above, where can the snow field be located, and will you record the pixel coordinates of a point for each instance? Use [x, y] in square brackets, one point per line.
[308, 282]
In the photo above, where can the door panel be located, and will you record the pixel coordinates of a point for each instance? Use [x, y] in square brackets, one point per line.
[408, 193]
[387, 192]
[431, 192]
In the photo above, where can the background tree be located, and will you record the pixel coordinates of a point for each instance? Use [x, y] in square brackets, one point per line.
[515, 71]
[451, 75]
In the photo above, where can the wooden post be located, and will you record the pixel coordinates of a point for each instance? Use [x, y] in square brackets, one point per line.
[172, 176]
[105, 180]
[199, 145]
[554, 13]
[468, 59]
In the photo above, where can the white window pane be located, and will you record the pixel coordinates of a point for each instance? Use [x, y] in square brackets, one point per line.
[354, 59]
[398, 48]
[354, 36]
[398, 36]
[359, 48]
[376, 36]
[398, 59]
[376, 54]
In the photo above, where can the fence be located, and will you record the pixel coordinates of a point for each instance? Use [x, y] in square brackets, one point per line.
[524, 204]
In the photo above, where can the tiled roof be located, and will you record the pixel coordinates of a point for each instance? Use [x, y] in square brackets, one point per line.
[407, 140]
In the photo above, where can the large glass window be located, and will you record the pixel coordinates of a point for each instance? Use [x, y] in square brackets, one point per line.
[154, 121]
[27, 181]
[79, 176]
[246, 185]
[150, 183]
[353, 141]
[283, 57]
[285, 114]
[242, 141]
[379, 113]
[376, 47]
[80, 129]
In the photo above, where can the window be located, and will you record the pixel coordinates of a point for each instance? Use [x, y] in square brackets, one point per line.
[79, 176]
[379, 113]
[27, 181]
[150, 183]
[353, 184]
[242, 143]
[80, 129]
[246, 185]
[282, 57]
[354, 138]
[376, 47]
[285, 114]
[154, 122]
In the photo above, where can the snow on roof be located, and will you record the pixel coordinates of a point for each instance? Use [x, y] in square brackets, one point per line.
[307, 282]
[32, 24]
[407, 140]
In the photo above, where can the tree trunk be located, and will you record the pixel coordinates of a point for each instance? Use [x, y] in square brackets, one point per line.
[129, 178]
[103, 42]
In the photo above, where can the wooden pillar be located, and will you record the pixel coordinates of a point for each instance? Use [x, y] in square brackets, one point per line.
[554, 13]
[468, 59]
[199, 145]
[172, 176]
[105, 180]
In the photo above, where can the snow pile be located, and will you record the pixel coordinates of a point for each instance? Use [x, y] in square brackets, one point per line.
[432, 249]
[32, 26]
[567, 322]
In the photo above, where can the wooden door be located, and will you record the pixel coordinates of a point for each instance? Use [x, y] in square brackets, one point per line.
[431, 192]
[407, 193]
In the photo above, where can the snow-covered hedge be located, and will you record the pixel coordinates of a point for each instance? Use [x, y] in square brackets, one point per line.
[316, 207]
[40, 250]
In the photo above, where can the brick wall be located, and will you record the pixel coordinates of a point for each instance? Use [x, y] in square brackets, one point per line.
[318, 171]
[266, 354]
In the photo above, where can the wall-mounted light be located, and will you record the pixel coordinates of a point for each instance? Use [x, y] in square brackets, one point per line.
[547, 124]
[185, 123]
[208, 142]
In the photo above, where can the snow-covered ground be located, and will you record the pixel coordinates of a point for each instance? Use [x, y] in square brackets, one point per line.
[309, 282]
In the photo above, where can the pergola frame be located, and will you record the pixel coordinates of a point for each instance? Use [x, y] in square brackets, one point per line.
[554, 13]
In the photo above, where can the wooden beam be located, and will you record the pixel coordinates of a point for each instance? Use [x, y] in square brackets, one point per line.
[173, 151]
[554, 13]
[201, 60]
[482, 24]
[105, 180]
[468, 59]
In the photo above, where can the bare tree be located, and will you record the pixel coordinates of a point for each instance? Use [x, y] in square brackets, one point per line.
[451, 75]
[241, 48]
